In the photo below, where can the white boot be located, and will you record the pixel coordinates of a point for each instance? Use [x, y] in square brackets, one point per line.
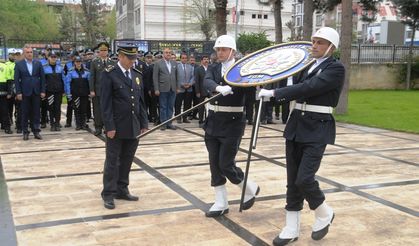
[324, 217]
[291, 231]
[220, 205]
[252, 190]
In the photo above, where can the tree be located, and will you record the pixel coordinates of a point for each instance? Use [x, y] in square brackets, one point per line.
[25, 19]
[276, 7]
[250, 42]
[220, 19]
[345, 54]
[199, 12]
[90, 24]
[410, 10]
[109, 30]
[68, 24]
[308, 19]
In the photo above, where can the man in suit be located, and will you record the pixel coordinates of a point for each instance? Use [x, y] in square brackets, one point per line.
[124, 117]
[30, 88]
[185, 79]
[97, 66]
[200, 92]
[309, 129]
[224, 129]
[165, 86]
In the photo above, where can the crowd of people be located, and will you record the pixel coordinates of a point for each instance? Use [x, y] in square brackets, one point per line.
[78, 82]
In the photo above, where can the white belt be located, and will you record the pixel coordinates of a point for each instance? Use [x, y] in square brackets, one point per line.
[314, 108]
[231, 109]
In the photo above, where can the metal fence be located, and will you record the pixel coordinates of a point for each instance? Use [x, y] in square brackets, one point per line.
[381, 53]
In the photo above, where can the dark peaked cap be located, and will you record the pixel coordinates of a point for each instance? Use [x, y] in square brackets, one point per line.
[128, 50]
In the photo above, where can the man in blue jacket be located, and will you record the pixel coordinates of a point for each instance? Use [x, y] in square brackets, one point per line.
[30, 88]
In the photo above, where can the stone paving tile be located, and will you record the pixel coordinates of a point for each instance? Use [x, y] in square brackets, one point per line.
[176, 228]
[44, 200]
[370, 142]
[67, 162]
[359, 169]
[405, 155]
[407, 195]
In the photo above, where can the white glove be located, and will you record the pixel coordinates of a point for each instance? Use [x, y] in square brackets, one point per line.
[266, 93]
[224, 89]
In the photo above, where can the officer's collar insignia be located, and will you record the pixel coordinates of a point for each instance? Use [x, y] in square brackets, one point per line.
[137, 80]
[109, 68]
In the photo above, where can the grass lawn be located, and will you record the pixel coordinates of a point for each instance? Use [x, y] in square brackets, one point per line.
[389, 109]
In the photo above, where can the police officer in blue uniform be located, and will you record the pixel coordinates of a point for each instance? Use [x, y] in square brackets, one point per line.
[309, 129]
[77, 90]
[125, 117]
[67, 68]
[54, 80]
[224, 128]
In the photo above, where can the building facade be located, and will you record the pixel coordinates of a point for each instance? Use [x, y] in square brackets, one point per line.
[170, 19]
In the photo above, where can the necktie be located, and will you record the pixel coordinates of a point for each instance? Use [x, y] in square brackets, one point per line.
[104, 63]
[184, 71]
[127, 74]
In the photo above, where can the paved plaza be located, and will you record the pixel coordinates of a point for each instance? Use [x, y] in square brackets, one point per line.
[50, 190]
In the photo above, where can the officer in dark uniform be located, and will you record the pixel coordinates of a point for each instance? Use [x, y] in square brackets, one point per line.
[95, 81]
[309, 129]
[124, 117]
[224, 128]
[54, 81]
[150, 99]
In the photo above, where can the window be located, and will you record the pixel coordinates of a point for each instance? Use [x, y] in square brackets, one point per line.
[124, 2]
[241, 12]
[318, 20]
[298, 21]
[259, 16]
[253, 16]
[298, 8]
[138, 16]
[339, 18]
[265, 17]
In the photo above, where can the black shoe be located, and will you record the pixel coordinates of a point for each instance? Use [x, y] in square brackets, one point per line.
[19, 131]
[247, 205]
[171, 127]
[270, 122]
[127, 197]
[43, 125]
[212, 214]
[37, 135]
[186, 121]
[98, 132]
[249, 122]
[78, 128]
[67, 125]
[280, 241]
[317, 235]
[8, 131]
[25, 136]
[85, 127]
[108, 203]
[163, 128]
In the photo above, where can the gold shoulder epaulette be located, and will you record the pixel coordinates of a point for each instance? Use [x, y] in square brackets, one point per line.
[138, 71]
[109, 68]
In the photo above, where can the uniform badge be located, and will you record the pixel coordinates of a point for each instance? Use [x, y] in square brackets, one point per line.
[137, 80]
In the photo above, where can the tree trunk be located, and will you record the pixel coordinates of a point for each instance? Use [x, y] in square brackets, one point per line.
[221, 13]
[345, 54]
[278, 21]
[409, 61]
[308, 19]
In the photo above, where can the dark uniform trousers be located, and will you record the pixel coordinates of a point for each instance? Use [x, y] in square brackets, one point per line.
[80, 105]
[119, 157]
[4, 112]
[222, 152]
[44, 110]
[97, 114]
[186, 98]
[30, 112]
[223, 131]
[54, 107]
[303, 161]
[69, 114]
